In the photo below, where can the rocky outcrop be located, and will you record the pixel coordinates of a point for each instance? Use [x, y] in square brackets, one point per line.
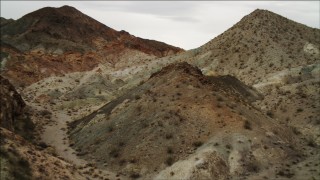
[13, 113]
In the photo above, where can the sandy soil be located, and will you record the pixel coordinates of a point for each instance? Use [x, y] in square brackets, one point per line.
[55, 135]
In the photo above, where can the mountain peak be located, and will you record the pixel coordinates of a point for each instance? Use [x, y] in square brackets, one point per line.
[261, 15]
[260, 11]
[67, 7]
[53, 11]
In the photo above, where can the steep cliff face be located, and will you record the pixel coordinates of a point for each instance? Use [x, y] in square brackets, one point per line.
[13, 113]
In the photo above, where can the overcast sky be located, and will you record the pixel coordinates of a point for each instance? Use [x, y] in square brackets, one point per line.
[186, 24]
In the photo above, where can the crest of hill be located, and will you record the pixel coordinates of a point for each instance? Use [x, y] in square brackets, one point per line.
[225, 83]
[64, 22]
[4, 21]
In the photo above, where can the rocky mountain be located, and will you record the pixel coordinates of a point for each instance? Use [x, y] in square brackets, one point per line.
[158, 128]
[55, 41]
[245, 105]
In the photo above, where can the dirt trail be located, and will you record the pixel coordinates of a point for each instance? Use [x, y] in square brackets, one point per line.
[56, 136]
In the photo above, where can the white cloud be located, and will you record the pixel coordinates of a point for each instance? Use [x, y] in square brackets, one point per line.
[187, 24]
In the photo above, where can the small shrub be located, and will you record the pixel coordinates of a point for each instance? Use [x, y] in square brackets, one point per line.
[169, 136]
[169, 161]
[311, 143]
[137, 97]
[114, 153]
[121, 144]
[228, 146]
[122, 162]
[45, 113]
[134, 175]
[247, 125]
[252, 167]
[23, 163]
[299, 110]
[197, 144]
[170, 150]
[296, 131]
[219, 98]
[110, 128]
[133, 160]
[270, 114]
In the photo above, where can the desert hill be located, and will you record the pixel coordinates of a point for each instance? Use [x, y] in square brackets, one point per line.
[55, 41]
[162, 123]
[262, 42]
